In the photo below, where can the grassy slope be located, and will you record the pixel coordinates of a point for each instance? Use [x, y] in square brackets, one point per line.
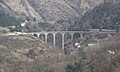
[24, 52]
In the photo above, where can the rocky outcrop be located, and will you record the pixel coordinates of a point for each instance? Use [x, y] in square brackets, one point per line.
[20, 8]
[54, 12]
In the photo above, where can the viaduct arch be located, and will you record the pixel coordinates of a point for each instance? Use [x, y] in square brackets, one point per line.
[81, 33]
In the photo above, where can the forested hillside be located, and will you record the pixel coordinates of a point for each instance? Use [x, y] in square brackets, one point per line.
[105, 16]
[7, 20]
[99, 59]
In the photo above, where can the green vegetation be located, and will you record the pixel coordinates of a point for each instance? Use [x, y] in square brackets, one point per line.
[104, 16]
[31, 53]
[44, 25]
[17, 28]
[7, 20]
[76, 67]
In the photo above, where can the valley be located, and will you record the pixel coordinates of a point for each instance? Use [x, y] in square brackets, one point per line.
[59, 36]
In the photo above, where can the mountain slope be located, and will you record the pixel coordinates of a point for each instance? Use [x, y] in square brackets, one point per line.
[25, 53]
[19, 7]
[55, 12]
[104, 16]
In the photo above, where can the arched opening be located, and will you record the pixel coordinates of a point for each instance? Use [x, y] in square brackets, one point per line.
[42, 37]
[50, 38]
[35, 35]
[84, 34]
[76, 37]
[58, 40]
[67, 39]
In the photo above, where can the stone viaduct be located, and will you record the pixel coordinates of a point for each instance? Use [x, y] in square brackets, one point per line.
[81, 33]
